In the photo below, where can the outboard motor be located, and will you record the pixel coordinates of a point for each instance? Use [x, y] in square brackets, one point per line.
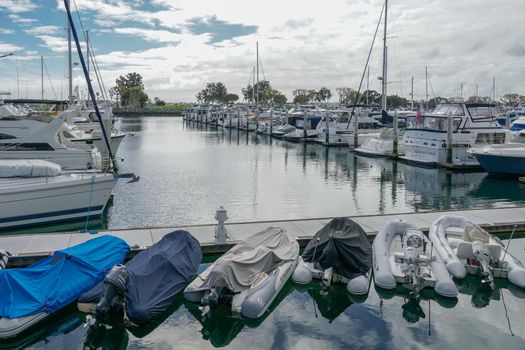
[115, 285]
[4, 258]
[414, 247]
[482, 255]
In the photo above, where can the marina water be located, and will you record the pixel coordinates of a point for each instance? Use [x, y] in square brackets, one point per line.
[187, 171]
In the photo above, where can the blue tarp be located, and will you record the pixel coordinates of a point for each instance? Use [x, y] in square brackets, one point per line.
[156, 275]
[60, 279]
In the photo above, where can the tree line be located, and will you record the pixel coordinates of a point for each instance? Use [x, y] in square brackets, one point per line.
[129, 92]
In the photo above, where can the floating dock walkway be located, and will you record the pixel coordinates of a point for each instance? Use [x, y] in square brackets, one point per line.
[28, 248]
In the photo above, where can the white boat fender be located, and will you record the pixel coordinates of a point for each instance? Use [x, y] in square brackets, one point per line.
[358, 285]
[302, 273]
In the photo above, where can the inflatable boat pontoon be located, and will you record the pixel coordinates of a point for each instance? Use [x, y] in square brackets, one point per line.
[414, 263]
[467, 248]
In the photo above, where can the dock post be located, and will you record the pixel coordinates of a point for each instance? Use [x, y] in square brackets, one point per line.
[221, 235]
[396, 132]
[507, 120]
[450, 132]
[238, 118]
[271, 121]
[305, 119]
[356, 129]
[327, 129]
[208, 111]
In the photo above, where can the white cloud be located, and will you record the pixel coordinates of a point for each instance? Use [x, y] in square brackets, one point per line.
[21, 20]
[17, 6]
[53, 43]
[8, 48]
[47, 30]
[310, 44]
[160, 36]
[6, 31]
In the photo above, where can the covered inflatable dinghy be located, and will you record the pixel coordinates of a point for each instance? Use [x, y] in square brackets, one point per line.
[31, 294]
[250, 275]
[148, 283]
[339, 252]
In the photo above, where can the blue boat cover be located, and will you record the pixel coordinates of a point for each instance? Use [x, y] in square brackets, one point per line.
[156, 275]
[59, 279]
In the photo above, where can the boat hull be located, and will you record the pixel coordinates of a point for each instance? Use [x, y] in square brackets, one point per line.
[36, 201]
[505, 165]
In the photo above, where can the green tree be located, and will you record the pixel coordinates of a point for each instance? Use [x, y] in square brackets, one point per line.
[512, 99]
[395, 101]
[323, 95]
[131, 90]
[303, 96]
[346, 95]
[159, 102]
[213, 92]
[433, 102]
[277, 98]
[374, 97]
[231, 98]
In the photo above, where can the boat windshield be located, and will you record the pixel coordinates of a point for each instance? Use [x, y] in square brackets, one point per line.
[445, 109]
[481, 111]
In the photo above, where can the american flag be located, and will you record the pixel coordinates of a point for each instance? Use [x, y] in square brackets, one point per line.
[419, 117]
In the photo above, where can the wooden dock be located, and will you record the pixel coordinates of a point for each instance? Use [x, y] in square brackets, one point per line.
[28, 248]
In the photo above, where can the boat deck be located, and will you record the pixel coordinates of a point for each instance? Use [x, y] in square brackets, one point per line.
[30, 247]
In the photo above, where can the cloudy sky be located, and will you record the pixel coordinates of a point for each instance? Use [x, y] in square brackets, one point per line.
[179, 45]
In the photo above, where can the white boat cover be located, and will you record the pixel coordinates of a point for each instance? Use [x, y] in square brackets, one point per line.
[262, 252]
[28, 168]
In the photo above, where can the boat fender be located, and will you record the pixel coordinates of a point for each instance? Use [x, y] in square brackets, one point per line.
[456, 269]
[358, 285]
[302, 274]
[4, 258]
[115, 285]
[446, 288]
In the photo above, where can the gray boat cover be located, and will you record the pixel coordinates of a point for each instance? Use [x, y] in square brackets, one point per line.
[156, 275]
[262, 252]
[343, 245]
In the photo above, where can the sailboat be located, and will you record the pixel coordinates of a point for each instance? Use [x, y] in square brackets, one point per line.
[54, 195]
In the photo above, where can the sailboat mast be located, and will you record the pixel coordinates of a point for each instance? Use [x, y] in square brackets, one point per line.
[42, 74]
[367, 85]
[412, 94]
[69, 59]
[426, 87]
[87, 49]
[384, 78]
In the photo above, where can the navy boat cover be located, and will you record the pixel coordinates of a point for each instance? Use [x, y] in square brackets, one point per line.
[156, 275]
[343, 245]
[59, 279]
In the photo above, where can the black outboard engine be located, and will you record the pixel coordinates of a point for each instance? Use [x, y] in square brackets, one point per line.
[115, 285]
[4, 258]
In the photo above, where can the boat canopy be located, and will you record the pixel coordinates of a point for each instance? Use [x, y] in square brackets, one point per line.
[59, 279]
[343, 245]
[156, 275]
[241, 265]
[28, 168]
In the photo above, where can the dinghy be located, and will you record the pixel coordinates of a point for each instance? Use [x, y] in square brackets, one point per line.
[249, 276]
[146, 286]
[414, 263]
[31, 294]
[339, 253]
[467, 248]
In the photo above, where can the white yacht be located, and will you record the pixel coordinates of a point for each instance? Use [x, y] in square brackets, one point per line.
[29, 192]
[474, 125]
[36, 136]
[341, 128]
[383, 145]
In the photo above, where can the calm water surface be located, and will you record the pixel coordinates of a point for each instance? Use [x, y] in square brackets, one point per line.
[188, 170]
